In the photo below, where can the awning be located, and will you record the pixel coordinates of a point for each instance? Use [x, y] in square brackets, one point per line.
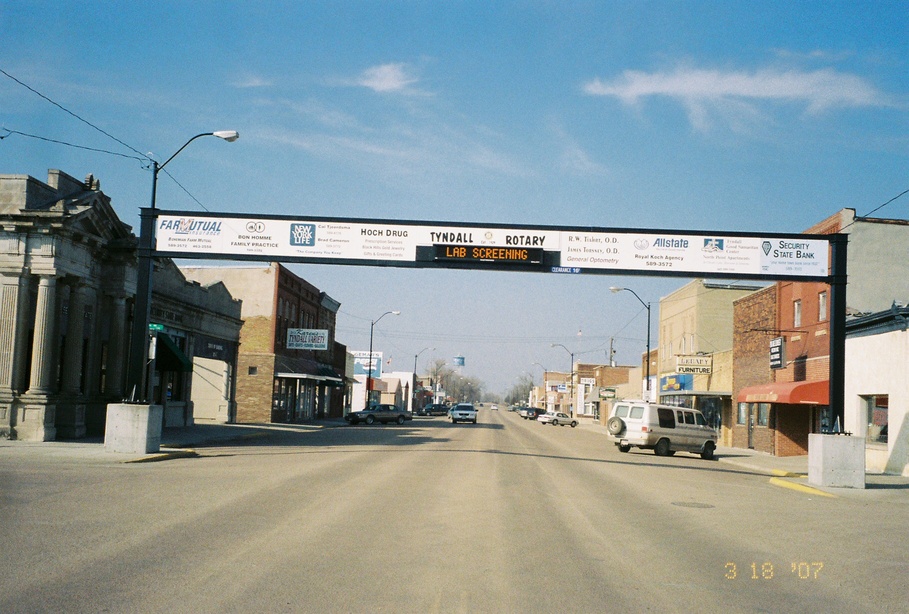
[788, 393]
[305, 368]
[169, 357]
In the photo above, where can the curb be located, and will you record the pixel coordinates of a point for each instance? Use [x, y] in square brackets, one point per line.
[800, 488]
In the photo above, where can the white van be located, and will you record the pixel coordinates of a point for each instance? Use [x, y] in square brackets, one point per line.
[662, 428]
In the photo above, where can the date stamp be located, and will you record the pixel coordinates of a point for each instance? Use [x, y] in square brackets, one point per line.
[802, 570]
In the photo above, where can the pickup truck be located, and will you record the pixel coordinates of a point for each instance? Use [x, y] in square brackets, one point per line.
[462, 412]
[379, 413]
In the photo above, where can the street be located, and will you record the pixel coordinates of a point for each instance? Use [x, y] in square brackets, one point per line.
[506, 515]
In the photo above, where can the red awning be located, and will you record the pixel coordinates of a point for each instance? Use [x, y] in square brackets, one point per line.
[788, 393]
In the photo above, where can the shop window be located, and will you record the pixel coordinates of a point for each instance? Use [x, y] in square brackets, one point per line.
[742, 417]
[876, 413]
[763, 417]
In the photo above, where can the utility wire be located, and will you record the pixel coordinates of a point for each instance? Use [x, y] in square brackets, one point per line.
[58, 142]
[65, 110]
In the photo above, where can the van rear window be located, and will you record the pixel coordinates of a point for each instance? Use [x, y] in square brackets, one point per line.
[637, 412]
[621, 411]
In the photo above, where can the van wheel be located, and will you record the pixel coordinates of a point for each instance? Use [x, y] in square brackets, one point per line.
[623, 448]
[615, 426]
[662, 448]
[707, 453]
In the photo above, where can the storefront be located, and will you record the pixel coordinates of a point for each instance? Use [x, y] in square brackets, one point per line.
[778, 417]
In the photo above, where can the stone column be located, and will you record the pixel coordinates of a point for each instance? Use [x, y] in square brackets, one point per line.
[116, 356]
[42, 377]
[75, 333]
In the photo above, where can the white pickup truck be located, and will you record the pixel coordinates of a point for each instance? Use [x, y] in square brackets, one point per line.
[462, 412]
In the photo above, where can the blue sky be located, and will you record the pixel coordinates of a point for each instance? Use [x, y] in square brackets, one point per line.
[758, 117]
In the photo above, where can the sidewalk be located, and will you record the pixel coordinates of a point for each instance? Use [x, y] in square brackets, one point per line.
[792, 472]
[176, 442]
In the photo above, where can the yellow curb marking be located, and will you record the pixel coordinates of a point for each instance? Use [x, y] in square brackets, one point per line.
[801, 488]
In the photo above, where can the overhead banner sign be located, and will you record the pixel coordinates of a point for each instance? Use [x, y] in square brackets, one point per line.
[543, 249]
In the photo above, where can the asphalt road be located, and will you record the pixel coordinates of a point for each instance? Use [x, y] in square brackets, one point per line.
[504, 516]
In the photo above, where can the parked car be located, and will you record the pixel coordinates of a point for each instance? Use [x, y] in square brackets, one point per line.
[557, 418]
[662, 428]
[528, 413]
[462, 412]
[379, 413]
[494, 406]
[438, 409]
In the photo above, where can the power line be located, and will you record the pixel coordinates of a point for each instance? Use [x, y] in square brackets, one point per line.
[58, 142]
[67, 111]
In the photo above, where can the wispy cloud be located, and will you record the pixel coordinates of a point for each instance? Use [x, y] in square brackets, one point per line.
[387, 78]
[250, 81]
[702, 91]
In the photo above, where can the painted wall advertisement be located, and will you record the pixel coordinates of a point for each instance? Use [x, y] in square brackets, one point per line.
[364, 364]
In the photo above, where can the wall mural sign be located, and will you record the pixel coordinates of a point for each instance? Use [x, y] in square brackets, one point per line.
[457, 245]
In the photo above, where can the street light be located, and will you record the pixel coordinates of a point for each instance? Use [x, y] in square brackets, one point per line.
[414, 390]
[372, 326]
[647, 305]
[570, 378]
[136, 385]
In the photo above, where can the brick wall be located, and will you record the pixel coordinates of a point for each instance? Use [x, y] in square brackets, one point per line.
[754, 324]
[254, 391]
[793, 424]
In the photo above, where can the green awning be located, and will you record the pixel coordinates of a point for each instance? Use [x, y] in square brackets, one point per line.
[169, 357]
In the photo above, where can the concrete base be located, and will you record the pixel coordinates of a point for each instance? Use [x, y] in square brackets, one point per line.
[132, 428]
[836, 460]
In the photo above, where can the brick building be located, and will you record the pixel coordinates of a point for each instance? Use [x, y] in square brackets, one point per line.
[784, 397]
[276, 381]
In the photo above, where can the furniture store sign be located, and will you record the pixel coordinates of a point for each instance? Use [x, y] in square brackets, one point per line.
[698, 365]
[307, 339]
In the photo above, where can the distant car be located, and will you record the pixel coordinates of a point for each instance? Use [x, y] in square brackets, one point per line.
[379, 413]
[557, 418]
[462, 412]
[494, 406]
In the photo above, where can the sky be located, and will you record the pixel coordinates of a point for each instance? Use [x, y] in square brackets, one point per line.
[729, 116]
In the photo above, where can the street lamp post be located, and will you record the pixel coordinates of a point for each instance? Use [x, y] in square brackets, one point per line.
[414, 390]
[570, 378]
[372, 326]
[137, 388]
[647, 360]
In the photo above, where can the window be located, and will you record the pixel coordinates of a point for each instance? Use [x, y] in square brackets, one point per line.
[822, 306]
[637, 412]
[701, 420]
[877, 407]
[689, 417]
[621, 411]
[665, 417]
[797, 313]
[253, 371]
[763, 418]
[742, 417]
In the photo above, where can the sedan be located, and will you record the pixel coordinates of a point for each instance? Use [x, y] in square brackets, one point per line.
[557, 418]
[379, 413]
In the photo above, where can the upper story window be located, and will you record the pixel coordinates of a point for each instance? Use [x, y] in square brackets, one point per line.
[822, 306]
[797, 313]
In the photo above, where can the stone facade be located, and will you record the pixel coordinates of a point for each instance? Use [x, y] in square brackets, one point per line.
[67, 286]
